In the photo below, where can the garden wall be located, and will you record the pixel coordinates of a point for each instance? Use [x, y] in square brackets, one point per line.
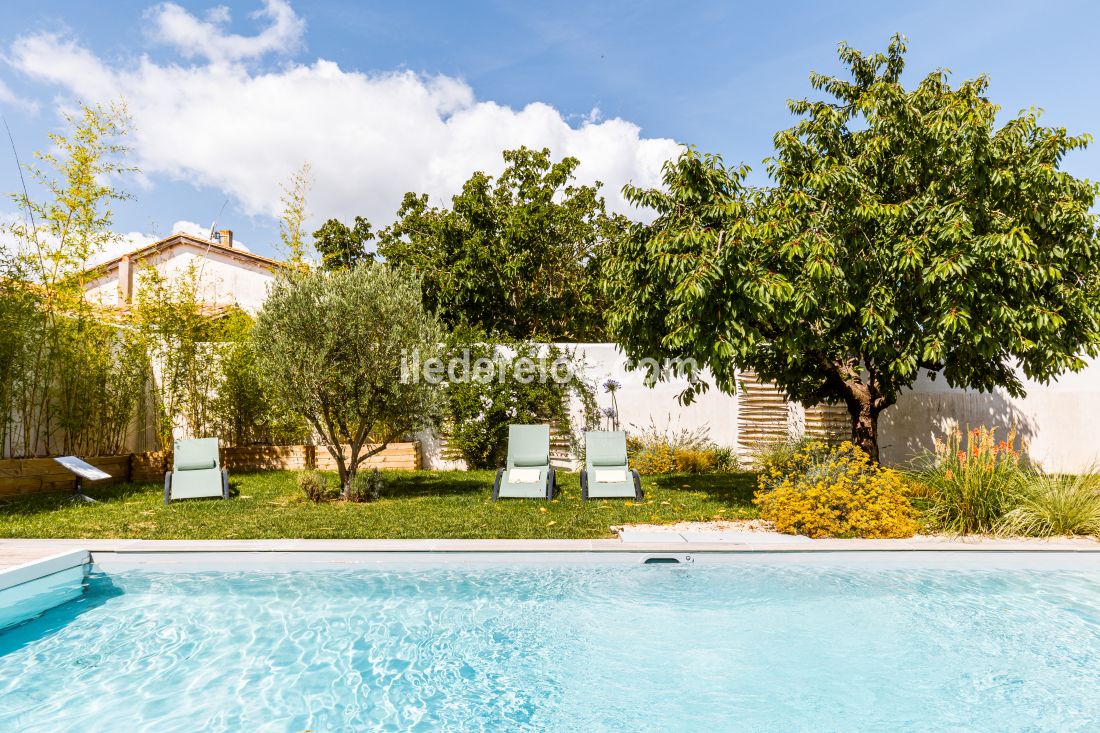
[1056, 421]
[44, 475]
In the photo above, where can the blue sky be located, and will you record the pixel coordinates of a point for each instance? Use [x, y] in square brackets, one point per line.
[385, 97]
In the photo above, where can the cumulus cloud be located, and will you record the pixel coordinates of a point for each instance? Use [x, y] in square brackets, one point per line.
[206, 38]
[368, 137]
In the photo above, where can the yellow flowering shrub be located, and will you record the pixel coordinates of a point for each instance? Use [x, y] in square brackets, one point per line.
[689, 460]
[654, 459]
[835, 491]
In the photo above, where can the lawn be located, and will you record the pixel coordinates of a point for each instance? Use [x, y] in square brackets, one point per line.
[422, 504]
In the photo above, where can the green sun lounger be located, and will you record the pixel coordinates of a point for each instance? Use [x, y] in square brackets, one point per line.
[528, 474]
[606, 474]
[196, 471]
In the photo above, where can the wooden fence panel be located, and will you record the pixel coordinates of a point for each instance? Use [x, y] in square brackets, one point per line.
[21, 476]
[395, 456]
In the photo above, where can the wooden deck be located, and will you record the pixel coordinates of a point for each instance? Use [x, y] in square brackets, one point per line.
[18, 552]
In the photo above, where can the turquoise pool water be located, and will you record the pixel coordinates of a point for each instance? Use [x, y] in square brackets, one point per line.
[766, 645]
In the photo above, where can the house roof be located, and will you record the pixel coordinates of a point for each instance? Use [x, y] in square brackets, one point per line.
[180, 239]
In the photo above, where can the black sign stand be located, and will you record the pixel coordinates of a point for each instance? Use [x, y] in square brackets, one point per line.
[81, 470]
[78, 492]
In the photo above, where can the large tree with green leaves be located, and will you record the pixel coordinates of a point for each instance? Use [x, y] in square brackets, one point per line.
[332, 347]
[342, 247]
[517, 256]
[905, 231]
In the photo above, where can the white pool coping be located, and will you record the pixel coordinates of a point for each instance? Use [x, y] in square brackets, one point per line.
[62, 556]
[41, 567]
[745, 543]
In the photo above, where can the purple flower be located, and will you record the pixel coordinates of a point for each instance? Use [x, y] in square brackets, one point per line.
[611, 385]
[609, 412]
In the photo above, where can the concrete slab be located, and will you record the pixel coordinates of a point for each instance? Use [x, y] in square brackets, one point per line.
[630, 536]
[745, 538]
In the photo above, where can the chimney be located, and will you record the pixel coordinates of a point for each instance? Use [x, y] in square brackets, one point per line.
[225, 237]
[125, 280]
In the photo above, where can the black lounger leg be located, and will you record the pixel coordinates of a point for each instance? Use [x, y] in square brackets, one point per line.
[496, 484]
[167, 487]
[638, 493]
[550, 485]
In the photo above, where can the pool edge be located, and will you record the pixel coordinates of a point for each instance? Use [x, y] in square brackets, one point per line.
[29, 589]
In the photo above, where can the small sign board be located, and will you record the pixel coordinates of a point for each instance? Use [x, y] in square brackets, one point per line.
[82, 469]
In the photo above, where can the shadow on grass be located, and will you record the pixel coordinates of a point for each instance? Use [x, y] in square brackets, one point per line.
[44, 503]
[400, 485]
[734, 489]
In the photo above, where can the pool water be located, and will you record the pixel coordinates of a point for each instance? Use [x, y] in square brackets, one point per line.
[749, 646]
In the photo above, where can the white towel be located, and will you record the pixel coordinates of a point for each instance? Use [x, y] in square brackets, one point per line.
[524, 476]
[610, 476]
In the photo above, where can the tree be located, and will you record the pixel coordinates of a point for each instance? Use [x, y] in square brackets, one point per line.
[331, 347]
[518, 383]
[343, 247]
[905, 232]
[77, 375]
[295, 213]
[178, 329]
[517, 257]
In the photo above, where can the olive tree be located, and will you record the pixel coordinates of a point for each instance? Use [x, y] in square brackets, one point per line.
[904, 232]
[331, 346]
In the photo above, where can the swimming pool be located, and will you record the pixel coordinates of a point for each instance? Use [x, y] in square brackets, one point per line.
[764, 642]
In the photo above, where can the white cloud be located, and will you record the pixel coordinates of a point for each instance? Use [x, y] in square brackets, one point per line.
[124, 241]
[368, 137]
[7, 96]
[192, 37]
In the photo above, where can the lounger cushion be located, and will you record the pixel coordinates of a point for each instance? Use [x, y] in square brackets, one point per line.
[524, 476]
[612, 458]
[610, 476]
[197, 465]
[531, 459]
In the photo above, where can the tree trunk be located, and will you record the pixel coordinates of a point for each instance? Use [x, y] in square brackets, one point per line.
[865, 428]
[864, 406]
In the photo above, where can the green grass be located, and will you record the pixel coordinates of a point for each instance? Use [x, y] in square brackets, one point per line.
[423, 504]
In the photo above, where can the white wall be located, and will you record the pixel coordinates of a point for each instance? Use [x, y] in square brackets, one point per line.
[1058, 422]
[639, 406]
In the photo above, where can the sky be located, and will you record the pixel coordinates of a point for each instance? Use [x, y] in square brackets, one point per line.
[228, 100]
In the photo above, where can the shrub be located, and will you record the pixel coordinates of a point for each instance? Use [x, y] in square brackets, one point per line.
[665, 450]
[651, 459]
[777, 461]
[777, 455]
[314, 485]
[835, 491]
[688, 460]
[1056, 505]
[366, 486]
[972, 483]
[724, 459]
[479, 407]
